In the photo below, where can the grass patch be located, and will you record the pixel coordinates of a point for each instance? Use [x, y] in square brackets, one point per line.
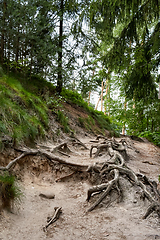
[23, 115]
[63, 120]
[10, 192]
[24, 106]
[95, 116]
[88, 123]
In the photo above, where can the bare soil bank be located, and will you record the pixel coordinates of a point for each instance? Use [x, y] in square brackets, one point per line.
[114, 222]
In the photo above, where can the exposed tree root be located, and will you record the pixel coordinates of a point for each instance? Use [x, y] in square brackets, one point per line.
[48, 155]
[113, 144]
[75, 141]
[12, 163]
[108, 188]
[153, 207]
[110, 181]
[52, 157]
[63, 149]
[47, 195]
[64, 177]
[107, 173]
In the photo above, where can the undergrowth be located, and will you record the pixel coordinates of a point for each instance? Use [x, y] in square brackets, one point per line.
[94, 116]
[10, 192]
[23, 115]
[63, 120]
[26, 102]
[152, 137]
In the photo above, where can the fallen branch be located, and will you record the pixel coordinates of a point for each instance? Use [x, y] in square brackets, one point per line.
[58, 211]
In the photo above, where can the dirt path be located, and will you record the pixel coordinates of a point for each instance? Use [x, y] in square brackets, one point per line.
[115, 222]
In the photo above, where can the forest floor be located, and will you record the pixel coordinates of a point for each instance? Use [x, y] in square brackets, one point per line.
[114, 222]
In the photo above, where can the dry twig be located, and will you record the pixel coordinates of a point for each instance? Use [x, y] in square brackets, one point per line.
[57, 213]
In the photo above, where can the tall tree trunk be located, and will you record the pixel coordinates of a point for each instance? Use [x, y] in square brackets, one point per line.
[98, 102]
[17, 47]
[3, 32]
[60, 78]
[107, 93]
[8, 53]
[105, 106]
[89, 97]
[102, 97]
[124, 126]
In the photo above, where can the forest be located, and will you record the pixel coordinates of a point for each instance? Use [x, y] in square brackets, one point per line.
[80, 119]
[110, 48]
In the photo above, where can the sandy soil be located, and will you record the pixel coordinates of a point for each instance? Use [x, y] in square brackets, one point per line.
[114, 222]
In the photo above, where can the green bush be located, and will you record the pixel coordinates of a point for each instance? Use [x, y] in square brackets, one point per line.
[10, 192]
[152, 137]
[74, 97]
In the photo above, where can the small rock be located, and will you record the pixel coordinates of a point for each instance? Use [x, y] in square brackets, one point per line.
[47, 195]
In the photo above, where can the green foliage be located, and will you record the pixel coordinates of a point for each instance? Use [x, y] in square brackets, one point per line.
[34, 84]
[54, 102]
[1, 72]
[23, 115]
[88, 123]
[74, 97]
[63, 120]
[152, 137]
[144, 117]
[102, 120]
[9, 191]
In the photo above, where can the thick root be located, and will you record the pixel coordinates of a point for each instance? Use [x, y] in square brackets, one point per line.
[108, 187]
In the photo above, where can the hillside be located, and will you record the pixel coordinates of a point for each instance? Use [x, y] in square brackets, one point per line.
[31, 110]
[67, 157]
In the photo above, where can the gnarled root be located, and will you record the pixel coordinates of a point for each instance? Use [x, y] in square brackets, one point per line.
[108, 188]
[62, 149]
[117, 165]
[153, 207]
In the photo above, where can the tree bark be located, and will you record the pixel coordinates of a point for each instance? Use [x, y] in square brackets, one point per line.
[60, 55]
[3, 32]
